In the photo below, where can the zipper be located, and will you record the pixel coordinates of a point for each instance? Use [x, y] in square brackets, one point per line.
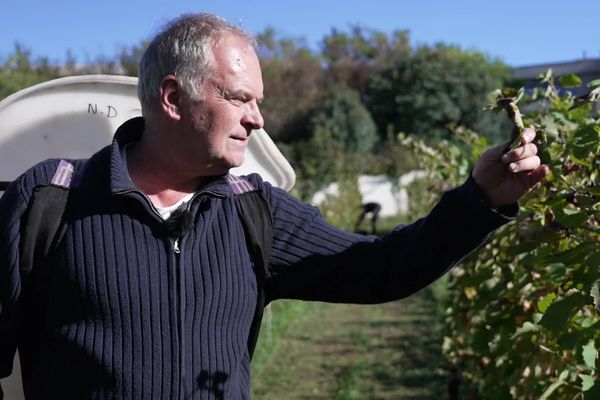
[176, 246]
[180, 306]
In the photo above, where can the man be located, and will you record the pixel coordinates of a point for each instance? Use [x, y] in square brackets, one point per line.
[373, 209]
[134, 311]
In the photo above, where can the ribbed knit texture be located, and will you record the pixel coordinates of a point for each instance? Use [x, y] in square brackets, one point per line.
[130, 318]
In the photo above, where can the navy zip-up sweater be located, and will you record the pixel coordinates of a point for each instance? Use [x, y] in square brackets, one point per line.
[130, 316]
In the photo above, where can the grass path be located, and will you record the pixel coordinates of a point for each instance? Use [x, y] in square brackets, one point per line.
[335, 351]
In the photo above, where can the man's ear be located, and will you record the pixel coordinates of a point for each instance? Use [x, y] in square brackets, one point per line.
[170, 97]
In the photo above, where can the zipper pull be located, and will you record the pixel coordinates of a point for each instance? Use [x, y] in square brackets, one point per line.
[176, 246]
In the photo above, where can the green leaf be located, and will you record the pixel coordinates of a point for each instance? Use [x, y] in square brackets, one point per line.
[586, 277]
[545, 302]
[558, 270]
[573, 220]
[594, 260]
[587, 382]
[585, 141]
[569, 80]
[595, 292]
[545, 77]
[560, 312]
[527, 327]
[589, 354]
[549, 125]
[509, 92]
[594, 83]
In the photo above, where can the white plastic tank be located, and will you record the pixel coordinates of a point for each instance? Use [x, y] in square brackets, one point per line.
[72, 118]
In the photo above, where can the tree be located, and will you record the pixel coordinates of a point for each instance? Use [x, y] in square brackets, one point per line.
[293, 81]
[129, 58]
[20, 71]
[436, 86]
[351, 58]
[346, 119]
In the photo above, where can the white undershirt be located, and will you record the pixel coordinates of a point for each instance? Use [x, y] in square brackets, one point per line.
[164, 212]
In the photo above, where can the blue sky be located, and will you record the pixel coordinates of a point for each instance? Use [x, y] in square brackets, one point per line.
[519, 33]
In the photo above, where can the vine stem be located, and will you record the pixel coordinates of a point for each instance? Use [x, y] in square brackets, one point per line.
[514, 115]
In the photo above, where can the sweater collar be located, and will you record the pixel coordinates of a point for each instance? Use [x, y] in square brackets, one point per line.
[120, 181]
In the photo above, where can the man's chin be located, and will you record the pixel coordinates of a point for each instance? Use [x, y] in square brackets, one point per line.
[228, 164]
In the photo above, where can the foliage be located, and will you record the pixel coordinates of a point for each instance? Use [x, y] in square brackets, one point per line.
[20, 71]
[434, 87]
[346, 119]
[523, 315]
[129, 58]
[351, 58]
[319, 161]
[293, 79]
[344, 208]
[390, 157]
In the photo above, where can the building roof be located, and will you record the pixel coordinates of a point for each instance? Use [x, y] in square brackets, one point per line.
[588, 66]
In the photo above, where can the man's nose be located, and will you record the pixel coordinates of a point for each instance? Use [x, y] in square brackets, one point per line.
[252, 117]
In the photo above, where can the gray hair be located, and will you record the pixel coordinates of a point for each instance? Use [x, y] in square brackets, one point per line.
[183, 48]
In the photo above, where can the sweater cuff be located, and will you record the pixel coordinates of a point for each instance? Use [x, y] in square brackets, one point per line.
[508, 212]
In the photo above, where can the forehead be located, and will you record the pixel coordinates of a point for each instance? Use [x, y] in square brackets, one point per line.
[233, 50]
[235, 57]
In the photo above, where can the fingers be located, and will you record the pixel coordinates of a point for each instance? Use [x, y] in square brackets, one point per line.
[528, 135]
[520, 153]
[525, 164]
[523, 158]
[537, 175]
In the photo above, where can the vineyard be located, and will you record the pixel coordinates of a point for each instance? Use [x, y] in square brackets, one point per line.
[524, 310]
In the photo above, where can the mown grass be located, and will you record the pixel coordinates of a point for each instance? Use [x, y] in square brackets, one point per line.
[277, 321]
[350, 352]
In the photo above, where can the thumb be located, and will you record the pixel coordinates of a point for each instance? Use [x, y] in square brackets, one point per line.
[494, 153]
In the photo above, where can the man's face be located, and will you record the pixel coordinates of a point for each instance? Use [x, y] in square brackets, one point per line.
[220, 123]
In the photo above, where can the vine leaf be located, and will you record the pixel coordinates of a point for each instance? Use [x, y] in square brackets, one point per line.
[569, 80]
[560, 312]
[585, 141]
[589, 354]
[591, 96]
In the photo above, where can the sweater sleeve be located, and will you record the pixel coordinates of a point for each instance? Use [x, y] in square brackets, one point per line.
[312, 260]
[12, 206]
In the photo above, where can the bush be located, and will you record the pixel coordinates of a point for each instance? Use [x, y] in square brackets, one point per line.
[523, 312]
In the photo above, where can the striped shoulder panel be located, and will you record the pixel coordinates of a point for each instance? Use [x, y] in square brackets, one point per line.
[69, 174]
[240, 184]
[63, 174]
